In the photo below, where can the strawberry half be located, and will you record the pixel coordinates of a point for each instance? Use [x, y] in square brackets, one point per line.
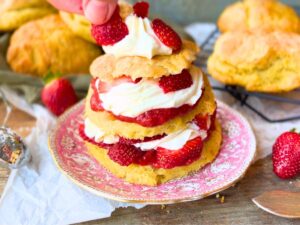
[166, 34]
[58, 95]
[176, 82]
[125, 154]
[190, 152]
[141, 9]
[202, 122]
[286, 155]
[112, 31]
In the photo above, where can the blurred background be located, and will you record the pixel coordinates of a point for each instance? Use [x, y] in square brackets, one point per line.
[188, 11]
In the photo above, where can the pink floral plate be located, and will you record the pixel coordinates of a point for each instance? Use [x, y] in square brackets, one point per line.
[236, 154]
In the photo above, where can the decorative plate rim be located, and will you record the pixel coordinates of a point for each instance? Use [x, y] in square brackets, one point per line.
[229, 183]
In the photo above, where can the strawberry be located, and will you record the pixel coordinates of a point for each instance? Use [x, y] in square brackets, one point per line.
[166, 34]
[176, 82]
[141, 9]
[112, 31]
[168, 159]
[124, 154]
[202, 122]
[135, 141]
[286, 155]
[58, 95]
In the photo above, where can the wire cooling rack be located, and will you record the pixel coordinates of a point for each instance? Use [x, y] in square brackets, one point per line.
[243, 95]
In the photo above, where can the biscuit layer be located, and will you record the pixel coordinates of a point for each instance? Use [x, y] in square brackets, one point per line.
[109, 67]
[147, 175]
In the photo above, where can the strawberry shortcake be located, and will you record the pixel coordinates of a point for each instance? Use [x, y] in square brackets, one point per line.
[150, 114]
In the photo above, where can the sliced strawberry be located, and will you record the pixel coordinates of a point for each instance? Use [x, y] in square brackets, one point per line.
[148, 158]
[112, 31]
[176, 82]
[125, 154]
[168, 159]
[141, 9]
[202, 122]
[166, 34]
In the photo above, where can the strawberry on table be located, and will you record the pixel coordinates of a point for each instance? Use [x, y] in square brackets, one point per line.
[286, 155]
[58, 95]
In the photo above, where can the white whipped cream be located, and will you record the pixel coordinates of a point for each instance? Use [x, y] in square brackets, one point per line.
[130, 99]
[140, 41]
[94, 132]
[173, 141]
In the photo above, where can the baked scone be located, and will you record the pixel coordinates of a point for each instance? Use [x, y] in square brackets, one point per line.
[150, 114]
[78, 24]
[14, 13]
[259, 61]
[47, 45]
[259, 14]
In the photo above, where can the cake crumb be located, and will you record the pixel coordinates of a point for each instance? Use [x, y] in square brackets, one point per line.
[168, 211]
[163, 207]
[218, 195]
[222, 200]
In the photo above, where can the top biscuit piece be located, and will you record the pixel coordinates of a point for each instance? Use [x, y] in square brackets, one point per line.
[259, 14]
[14, 13]
[109, 67]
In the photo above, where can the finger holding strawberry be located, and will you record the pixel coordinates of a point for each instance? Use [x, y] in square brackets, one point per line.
[286, 155]
[58, 94]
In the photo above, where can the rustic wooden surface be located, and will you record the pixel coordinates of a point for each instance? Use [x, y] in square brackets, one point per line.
[237, 208]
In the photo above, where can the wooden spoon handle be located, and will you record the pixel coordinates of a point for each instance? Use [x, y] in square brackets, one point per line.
[281, 203]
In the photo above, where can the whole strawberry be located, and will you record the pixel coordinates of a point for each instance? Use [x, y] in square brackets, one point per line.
[286, 155]
[58, 95]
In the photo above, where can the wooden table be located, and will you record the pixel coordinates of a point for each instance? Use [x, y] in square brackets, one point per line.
[237, 209]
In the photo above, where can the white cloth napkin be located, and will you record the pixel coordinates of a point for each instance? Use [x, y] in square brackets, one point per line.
[39, 194]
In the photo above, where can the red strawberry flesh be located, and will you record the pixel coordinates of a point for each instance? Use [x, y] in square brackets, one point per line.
[111, 32]
[286, 155]
[176, 82]
[166, 34]
[141, 9]
[58, 96]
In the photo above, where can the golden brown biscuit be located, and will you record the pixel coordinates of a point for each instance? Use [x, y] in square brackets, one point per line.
[79, 25]
[258, 61]
[109, 67]
[111, 126]
[48, 45]
[147, 175]
[14, 13]
[259, 14]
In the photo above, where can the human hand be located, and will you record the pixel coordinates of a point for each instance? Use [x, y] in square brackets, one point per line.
[96, 11]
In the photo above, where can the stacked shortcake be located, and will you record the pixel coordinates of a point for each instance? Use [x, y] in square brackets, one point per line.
[150, 114]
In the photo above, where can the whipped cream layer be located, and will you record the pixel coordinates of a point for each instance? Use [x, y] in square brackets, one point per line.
[140, 41]
[173, 141]
[132, 99]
